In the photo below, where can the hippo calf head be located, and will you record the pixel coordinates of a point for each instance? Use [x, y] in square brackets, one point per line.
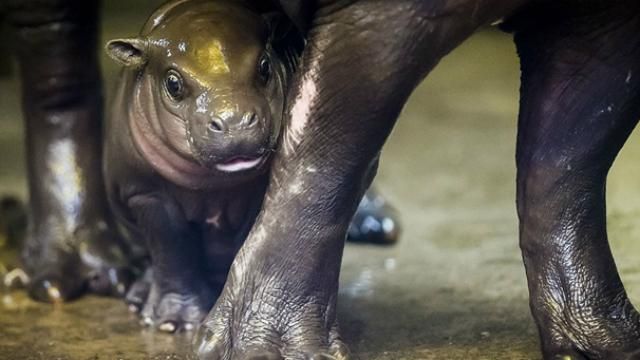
[208, 87]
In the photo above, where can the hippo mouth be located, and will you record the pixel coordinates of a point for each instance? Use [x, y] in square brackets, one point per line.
[240, 163]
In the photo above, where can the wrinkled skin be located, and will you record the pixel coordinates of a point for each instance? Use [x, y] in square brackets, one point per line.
[580, 101]
[72, 245]
[196, 116]
[280, 297]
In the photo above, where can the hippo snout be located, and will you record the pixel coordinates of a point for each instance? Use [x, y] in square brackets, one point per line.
[246, 121]
[225, 139]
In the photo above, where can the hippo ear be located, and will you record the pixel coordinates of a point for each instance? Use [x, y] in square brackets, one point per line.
[128, 52]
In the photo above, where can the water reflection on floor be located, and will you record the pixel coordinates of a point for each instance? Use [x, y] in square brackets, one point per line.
[454, 288]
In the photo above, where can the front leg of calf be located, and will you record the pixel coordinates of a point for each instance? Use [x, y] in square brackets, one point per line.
[180, 294]
[580, 101]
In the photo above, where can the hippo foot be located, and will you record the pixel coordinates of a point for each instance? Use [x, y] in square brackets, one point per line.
[613, 337]
[570, 353]
[272, 326]
[64, 265]
[138, 293]
[170, 310]
[375, 221]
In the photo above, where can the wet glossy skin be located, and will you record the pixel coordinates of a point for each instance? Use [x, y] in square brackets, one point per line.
[224, 117]
[71, 246]
[195, 118]
[580, 100]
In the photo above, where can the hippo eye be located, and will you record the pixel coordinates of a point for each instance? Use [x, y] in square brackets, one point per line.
[174, 84]
[264, 68]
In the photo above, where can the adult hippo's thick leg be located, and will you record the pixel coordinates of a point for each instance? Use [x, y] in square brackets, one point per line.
[362, 61]
[580, 101]
[71, 244]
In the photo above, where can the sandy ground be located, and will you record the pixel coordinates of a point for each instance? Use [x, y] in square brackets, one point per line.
[453, 288]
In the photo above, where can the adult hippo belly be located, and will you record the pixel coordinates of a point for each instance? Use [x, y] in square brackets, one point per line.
[362, 62]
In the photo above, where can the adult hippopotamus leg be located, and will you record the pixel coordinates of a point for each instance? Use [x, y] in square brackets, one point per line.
[362, 61]
[580, 101]
[71, 242]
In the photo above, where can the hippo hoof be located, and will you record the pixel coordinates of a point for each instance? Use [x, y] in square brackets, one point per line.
[55, 288]
[61, 286]
[139, 292]
[576, 355]
[616, 337]
[238, 331]
[64, 266]
[211, 346]
[172, 312]
[375, 222]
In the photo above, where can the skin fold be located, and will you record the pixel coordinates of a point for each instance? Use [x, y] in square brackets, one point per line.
[579, 102]
[72, 246]
[196, 117]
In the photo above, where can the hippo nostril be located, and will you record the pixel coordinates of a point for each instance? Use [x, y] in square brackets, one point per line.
[216, 125]
[250, 119]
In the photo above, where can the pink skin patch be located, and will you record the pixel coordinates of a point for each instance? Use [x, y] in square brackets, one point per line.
[239, 164]
[176, 168]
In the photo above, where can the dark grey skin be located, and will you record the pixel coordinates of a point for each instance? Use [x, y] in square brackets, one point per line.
[580, 59]
[580, 100]
[196, 116]
[72, 246]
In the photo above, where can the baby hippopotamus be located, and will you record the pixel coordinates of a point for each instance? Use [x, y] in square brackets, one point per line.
[196, 115]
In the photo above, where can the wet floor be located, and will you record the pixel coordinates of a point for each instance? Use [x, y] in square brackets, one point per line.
[453, 288]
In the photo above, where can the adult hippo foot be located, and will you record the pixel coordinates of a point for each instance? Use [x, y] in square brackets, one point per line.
[251, 322]
[65, 264]
[576, 336]
[375, 221]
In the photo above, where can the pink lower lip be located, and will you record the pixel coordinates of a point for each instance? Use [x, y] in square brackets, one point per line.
[239, 163]
[239, 159]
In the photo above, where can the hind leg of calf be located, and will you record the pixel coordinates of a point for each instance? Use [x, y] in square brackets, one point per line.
[580, 101]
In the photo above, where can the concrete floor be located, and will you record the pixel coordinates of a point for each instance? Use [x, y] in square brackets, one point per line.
[453, 288]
